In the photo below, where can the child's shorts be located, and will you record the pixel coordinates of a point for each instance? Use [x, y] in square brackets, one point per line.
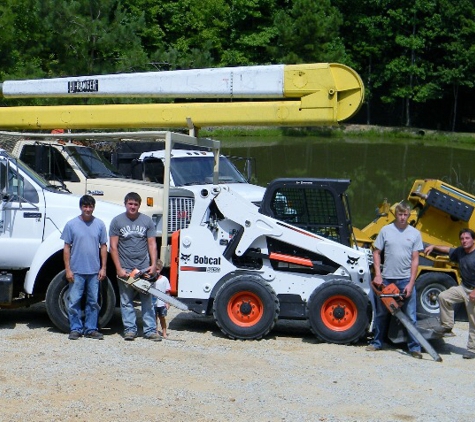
[161, 311]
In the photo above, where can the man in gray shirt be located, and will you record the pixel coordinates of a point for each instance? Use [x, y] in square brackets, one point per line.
[85, 259]
[401, 244]
[133, 246]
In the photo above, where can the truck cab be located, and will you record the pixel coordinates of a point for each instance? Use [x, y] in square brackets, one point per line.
[81, 170]
[194, 167]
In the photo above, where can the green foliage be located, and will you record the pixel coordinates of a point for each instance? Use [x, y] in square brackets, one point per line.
[414, 56]
[308, 32]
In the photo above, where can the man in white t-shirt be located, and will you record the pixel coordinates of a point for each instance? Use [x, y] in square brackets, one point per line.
[401, 244]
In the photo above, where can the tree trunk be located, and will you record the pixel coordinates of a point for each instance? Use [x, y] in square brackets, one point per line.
[368, 101]
[454, 110]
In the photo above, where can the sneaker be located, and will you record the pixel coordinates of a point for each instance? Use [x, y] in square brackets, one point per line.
[153, 337]
[372, 348]
[95, 335]
[74, 335]
[417, 355]
[130, 336]
[443, 331]
[468, 355]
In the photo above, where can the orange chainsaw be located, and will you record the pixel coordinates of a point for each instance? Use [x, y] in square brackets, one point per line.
[141, 281]
[393, 299]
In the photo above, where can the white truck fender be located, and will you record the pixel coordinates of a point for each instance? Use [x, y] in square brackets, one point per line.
[52, 244]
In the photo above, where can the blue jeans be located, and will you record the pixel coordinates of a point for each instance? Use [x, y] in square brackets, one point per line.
[127, 310]
[90, 283]
[381, 316]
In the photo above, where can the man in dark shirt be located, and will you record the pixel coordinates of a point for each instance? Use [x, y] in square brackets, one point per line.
[465, 256]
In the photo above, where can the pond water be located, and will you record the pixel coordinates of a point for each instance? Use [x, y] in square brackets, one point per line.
[377, 170]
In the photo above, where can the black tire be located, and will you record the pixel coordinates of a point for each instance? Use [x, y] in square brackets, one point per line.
[246, 308]
[57, 302]
[428, 287]
[339, 312]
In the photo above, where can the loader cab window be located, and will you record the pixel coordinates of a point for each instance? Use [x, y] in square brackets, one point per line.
[315, 210]
[48, 162]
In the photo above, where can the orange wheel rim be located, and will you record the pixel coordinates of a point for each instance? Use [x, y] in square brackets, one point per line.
[245, 309]
[339, 313]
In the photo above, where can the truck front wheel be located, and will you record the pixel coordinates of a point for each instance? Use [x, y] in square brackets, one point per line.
[339, 312]
[57, 296]
[246, 308]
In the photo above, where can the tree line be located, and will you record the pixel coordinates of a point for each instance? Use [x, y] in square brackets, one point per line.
[416, 57]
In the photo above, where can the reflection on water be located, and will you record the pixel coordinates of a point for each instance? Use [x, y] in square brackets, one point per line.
[377, 171]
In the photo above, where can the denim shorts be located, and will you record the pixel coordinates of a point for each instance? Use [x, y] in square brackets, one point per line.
[161, 311]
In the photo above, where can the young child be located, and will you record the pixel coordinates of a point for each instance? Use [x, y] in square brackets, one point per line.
[161, 307]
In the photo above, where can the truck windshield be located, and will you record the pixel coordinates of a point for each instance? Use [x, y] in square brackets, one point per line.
[91, 163]
[199, 170]
[12, 179]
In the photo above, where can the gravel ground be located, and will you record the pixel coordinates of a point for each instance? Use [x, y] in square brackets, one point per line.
[200, 375]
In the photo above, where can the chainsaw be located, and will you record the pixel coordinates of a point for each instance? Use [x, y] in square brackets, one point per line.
[393, 299]
[142, 281]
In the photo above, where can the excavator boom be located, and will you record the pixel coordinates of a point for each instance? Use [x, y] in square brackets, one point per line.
[288, 95]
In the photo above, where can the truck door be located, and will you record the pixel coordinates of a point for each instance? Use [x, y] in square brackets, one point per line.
[21, 217]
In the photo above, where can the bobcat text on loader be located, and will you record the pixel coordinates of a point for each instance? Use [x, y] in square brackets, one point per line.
[290, 259]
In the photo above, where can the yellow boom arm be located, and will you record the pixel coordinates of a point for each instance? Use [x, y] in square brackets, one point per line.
[275, 95]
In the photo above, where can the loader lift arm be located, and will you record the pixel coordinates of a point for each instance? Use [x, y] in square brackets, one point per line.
[276, 95]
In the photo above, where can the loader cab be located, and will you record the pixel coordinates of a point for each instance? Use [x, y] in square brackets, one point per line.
[316, 205]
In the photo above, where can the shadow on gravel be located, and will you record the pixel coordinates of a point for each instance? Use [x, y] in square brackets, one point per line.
[34, 317]
[444, 348]
[188, 321]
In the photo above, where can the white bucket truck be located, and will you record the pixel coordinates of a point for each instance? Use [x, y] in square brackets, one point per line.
[32, 216]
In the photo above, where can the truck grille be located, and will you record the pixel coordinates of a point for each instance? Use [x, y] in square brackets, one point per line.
[179, 213]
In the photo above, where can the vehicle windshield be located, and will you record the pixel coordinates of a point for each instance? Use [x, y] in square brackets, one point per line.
[199, 170]
[40, 180]
[91, 163]
[15, 182]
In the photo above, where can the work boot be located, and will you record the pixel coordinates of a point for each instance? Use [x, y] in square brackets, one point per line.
[443, 331]
[371, 348]
[74, 335]
[130, 336]
[415, 354]
[468, 355]
[154, 337]
[96, 335]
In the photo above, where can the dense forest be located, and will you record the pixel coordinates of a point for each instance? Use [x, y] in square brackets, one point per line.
[416, 57]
